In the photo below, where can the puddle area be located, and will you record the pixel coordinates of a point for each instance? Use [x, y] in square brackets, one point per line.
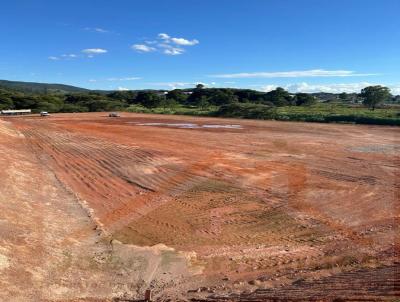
[190, 126]
[387, 149]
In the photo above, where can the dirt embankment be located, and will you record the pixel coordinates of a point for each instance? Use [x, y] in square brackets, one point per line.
[251, 206]
[50, 248]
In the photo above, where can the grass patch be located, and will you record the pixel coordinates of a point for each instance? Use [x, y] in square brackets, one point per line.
[179, 109]
[321, 112]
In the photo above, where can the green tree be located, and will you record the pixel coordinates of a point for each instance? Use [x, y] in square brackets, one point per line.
[168, 103]
[222, 97]
[196, 95]
[375, 95]
[125, 96]
[6, 102]
[74, 108]
[50, 103]
[304, 99]
[177, 95]
[203, 103]
[279, 97]
[24, 102]
[171, 104]
[343, 96]
[150, 99]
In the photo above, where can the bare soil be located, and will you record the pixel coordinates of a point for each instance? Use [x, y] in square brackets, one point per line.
[100, 209]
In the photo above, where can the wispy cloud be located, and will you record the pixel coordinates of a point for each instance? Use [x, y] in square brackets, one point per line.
[94, 51]
[174, 51]
[122, 89]
[294, 74]
[171, 50]
[143, 48]
[177, 85]
[330, 88]
[91, 52]
[178, 41]
[97, 30]
[116, 79]
[88, 52]
[165, 44]
[69, 56]
[172, 85]
[164, 36]
[124, 79]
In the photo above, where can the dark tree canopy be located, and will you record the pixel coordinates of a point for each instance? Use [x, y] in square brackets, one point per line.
[304, 99]
[178, 95]
[149, 99]
[375, 95]
[279, 97]
[343, 96]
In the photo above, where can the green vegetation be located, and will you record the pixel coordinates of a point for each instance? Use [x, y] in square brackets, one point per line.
[374, 105]
[375, 95]
[339, 113]
[31, 87]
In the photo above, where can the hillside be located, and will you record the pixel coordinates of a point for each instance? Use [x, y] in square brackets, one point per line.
[32, 87]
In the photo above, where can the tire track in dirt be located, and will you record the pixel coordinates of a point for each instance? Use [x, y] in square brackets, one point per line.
[231, 197]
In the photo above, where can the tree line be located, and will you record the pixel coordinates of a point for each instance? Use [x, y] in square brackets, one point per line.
[200, 97]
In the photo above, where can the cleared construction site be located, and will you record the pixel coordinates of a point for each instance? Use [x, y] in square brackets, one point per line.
[94, 208]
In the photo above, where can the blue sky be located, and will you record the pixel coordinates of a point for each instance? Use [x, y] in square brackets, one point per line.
[301, 45]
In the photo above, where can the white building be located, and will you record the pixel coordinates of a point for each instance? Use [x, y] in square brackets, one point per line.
[16, 112]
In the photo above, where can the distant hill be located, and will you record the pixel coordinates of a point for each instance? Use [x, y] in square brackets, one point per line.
[31, 87]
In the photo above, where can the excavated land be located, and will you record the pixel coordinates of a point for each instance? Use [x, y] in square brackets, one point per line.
[94, 208]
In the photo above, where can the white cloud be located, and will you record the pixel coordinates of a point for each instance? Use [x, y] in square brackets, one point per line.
[333, 88]
[178, 41]
[90, 53]
[267, 88]
[176, 85]
[142, 48]
[184, 42]
[63, 57]
[395, 89]
[164, 36]
[174, 51]
[94, 51]
[122, 89]
[165, 44]
[98, 30]
[69, 56]
[294, 74]
[101, 30]
[116, 79]
[330, 88]
[124, 79]
[173, 85]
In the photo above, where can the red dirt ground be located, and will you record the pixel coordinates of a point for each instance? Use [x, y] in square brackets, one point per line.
[265, 210]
